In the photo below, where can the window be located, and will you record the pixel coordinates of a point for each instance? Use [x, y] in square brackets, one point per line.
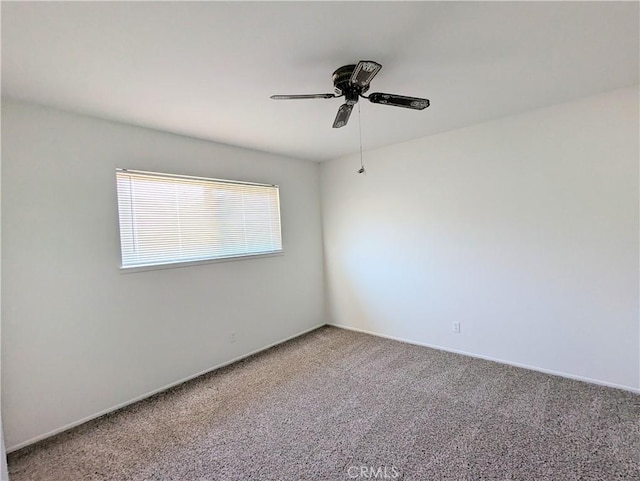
[167, 219]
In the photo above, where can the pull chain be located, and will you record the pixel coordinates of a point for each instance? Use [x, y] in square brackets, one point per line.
[361, 170]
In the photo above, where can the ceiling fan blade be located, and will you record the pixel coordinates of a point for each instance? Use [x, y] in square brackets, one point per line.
[364, 72]
[305, 96]
[415, 103]
[343, 116]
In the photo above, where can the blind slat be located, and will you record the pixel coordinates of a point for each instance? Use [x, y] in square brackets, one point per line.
[168, 219]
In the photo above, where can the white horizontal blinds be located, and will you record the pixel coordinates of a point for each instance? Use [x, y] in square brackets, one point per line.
[167, 219]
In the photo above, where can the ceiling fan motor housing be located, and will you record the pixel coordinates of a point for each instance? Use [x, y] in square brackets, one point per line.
[343, 86]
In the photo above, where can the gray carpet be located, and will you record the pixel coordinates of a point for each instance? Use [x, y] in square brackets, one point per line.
[339, 405]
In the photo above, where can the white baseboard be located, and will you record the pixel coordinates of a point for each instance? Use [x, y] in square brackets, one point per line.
[340, 326]
[488, 358]
[151, 393]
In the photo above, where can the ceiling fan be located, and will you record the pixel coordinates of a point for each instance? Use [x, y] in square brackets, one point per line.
[351, 82]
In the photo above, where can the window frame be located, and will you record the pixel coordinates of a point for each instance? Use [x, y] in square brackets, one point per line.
[190, 263]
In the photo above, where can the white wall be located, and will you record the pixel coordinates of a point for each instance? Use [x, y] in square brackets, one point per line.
[524, 229]
[4, 475]
[80, 337]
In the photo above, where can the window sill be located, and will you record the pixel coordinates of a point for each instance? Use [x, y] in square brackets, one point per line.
[174, 265]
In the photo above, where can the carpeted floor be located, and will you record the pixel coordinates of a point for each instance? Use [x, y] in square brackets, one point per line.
[339, 405]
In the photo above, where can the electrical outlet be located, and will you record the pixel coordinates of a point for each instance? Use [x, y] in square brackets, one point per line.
[456, 327]
[232, 337]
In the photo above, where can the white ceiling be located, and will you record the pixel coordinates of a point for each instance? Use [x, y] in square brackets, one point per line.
[207, 69]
